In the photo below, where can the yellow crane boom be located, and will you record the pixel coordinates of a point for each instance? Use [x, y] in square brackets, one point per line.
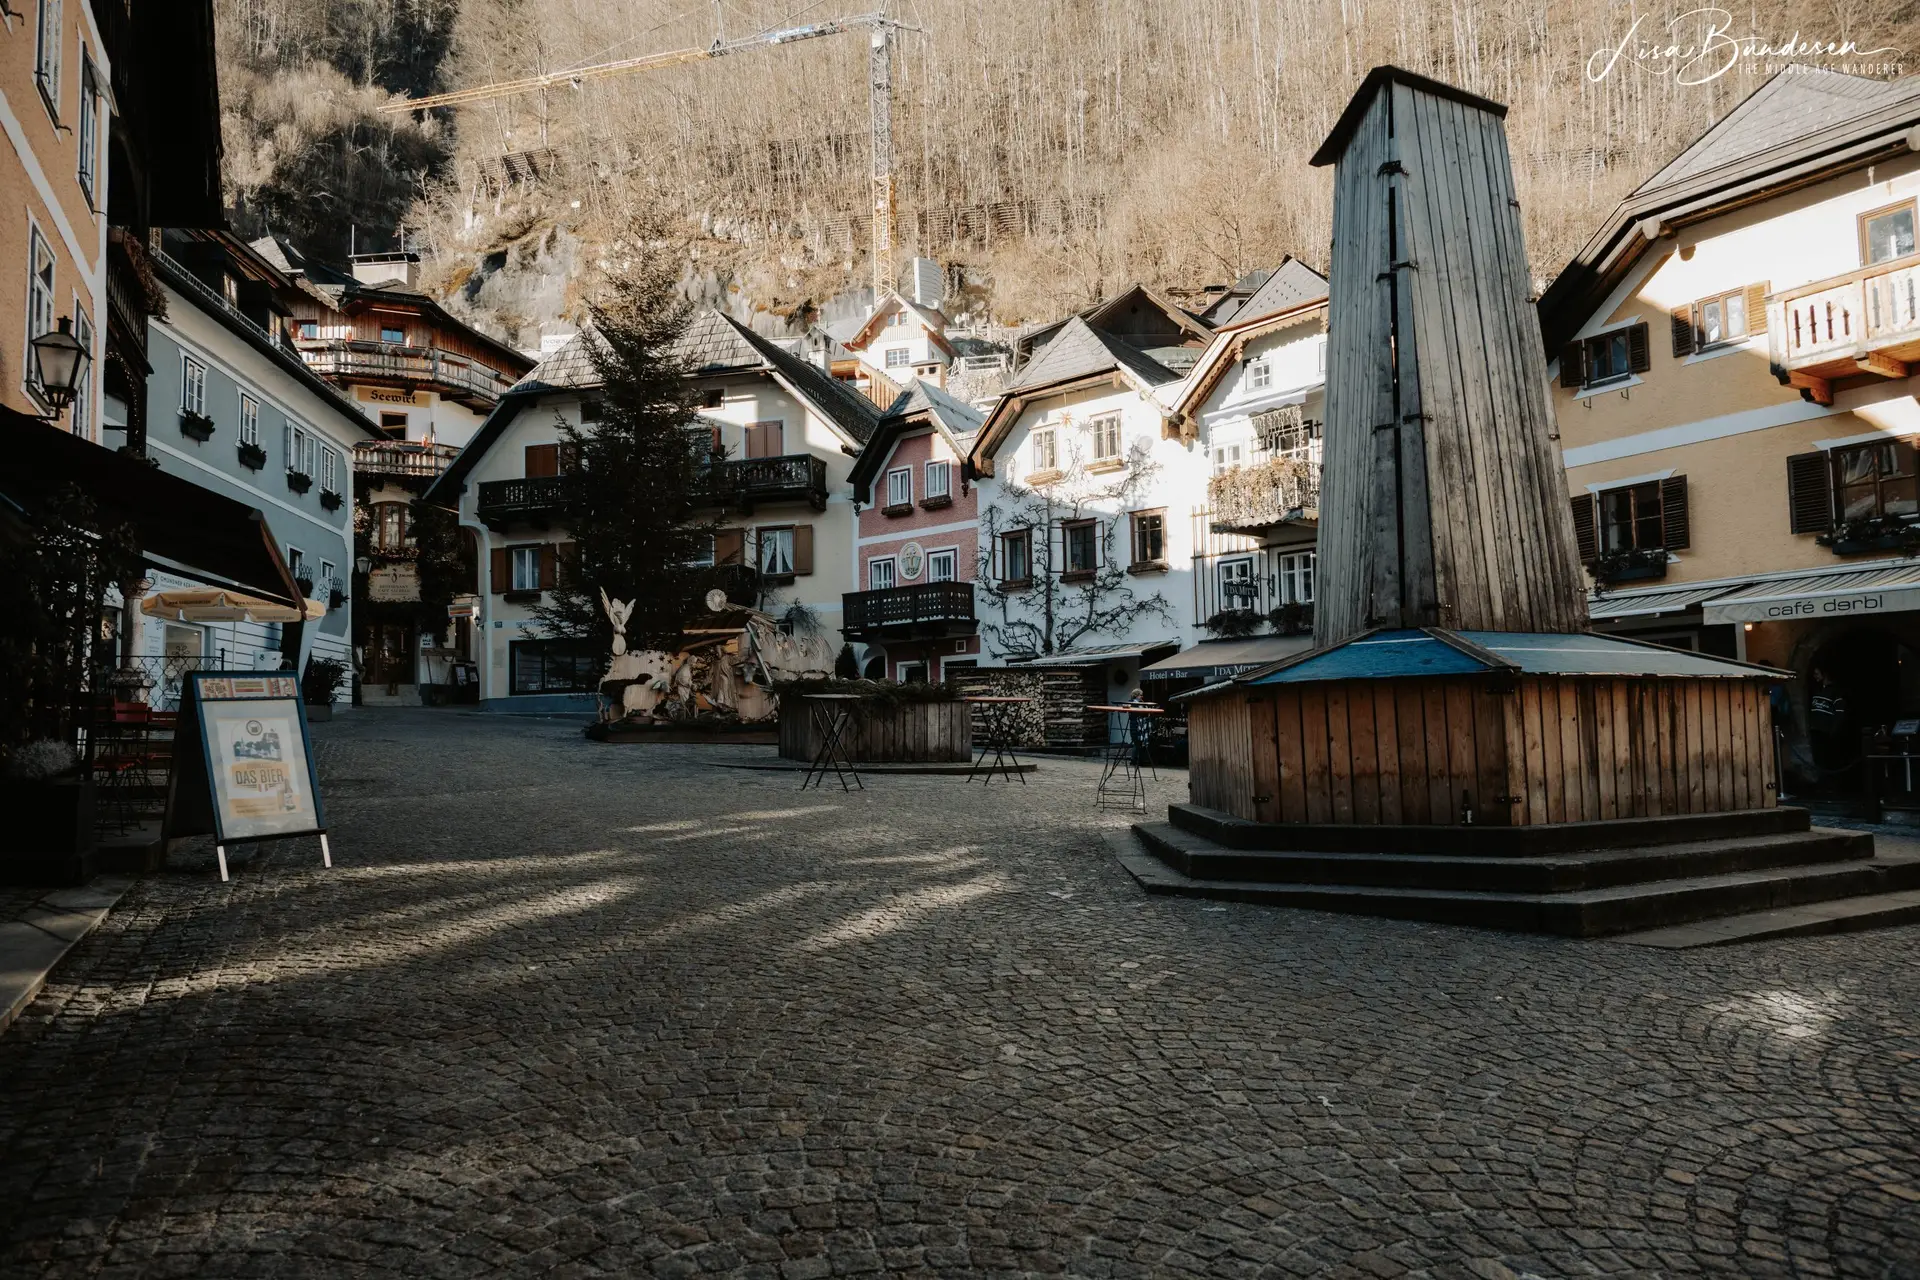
[879, 101]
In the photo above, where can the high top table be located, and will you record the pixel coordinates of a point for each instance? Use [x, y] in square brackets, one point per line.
[1121, 785]
[997, 724]
[832, 713]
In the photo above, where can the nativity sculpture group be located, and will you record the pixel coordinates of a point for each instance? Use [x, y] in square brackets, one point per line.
[724, 672]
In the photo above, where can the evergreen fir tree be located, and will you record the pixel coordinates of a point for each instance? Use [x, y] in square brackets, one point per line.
[636, 475]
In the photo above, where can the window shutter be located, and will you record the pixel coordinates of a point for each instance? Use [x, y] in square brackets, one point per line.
[1585, 536]
[549, 566]
[1682, 331]
[802, 548]
[1675, 527]
[1757, 307]
[1809, 493]
[543, 460]
[500, 575]
[1573, 372]
[1639, 357]
[729, 546]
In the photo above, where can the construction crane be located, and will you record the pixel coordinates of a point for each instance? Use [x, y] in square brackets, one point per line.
[880, 29]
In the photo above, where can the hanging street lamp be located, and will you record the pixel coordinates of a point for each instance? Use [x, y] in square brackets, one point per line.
[60, 362]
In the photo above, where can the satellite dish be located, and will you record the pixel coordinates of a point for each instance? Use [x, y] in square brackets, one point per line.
[716, 599]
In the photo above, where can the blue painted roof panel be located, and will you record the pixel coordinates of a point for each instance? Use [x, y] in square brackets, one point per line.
[1550, 654]
[1382, 655]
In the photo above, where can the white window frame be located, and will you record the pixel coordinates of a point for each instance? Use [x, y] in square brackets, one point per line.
[82, 420]
[1259, 375]
[193, 385]
[40, 296]
[523, 568]
[325, 581]
[1228, 456]
[1106, 425]
[249, 419]
[897, 357]
[87, 164]
[296, 561]
[947, 556]
[1046, 450]
[939, 481]
[1237, 569]
[774, 551]
[329, 470]
[299, 449]
[48, 46]
[1294, 577]
[900, 487]
[875, 576]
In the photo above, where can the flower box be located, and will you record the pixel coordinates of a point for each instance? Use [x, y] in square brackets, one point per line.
[897, 509]
[196, 426]
[252, 456]
[330, 500]
[299, 481]
[936, 502]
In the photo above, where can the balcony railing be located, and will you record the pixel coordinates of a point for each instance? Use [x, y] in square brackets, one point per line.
[413, 366]
[793, 477]
[1281, 490]
[533, 498]
[1864, 322]
[402, 458]
[929, 609]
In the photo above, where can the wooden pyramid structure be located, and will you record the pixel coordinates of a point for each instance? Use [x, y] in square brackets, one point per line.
[1456, 714]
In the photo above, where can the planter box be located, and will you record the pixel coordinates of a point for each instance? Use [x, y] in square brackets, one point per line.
[1634, 573]
[252, 456]
[1860, 546]
[912, 731]
[196, 426]
[330, 500]
[48, 836]
[299, 481]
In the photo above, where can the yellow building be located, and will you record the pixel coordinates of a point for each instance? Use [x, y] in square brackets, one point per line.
[1737, 416]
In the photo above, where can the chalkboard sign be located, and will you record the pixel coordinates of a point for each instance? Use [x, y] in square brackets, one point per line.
[243, 766]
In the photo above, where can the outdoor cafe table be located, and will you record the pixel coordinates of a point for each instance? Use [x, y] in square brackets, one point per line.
[832, 713]
[1120, 781]
[997, 725]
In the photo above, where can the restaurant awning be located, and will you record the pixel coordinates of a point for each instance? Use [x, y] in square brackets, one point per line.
[180, 527]
[1091, 657]
[1219, 659]
[224, 606]
[1644, 604]
[1823, 597]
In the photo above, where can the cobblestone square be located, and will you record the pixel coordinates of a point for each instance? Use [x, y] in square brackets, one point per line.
[569, 1010]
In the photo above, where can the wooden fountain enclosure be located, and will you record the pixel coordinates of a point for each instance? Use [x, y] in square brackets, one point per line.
[1458, 746]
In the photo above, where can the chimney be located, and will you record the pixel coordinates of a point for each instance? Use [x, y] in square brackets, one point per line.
[379, 268]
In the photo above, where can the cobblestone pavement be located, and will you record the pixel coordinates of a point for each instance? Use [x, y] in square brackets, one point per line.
[571, 1010]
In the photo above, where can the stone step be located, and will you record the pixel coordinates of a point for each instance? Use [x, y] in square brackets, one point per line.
[1204, 859]
[1482, 840]
[1842, 915]
[1583, 913]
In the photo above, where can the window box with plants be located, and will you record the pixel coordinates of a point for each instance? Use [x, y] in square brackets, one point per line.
[320, 686]
[1632, 564]
[299, 481]
[196, 426]
[330, 500]
[935, 501]
[1873, 533]
[252, 456]
[1234, 624]
[304, 581]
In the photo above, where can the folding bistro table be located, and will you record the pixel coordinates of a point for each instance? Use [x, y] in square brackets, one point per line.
[832, 713]
[997, 725]
[1121, 785]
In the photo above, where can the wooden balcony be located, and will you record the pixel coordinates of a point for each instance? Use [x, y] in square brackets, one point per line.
[1251, 500]
[794, 477]
[927, 611]
[454, 376]
[1866, 322]
[405, 458]
[533, 500]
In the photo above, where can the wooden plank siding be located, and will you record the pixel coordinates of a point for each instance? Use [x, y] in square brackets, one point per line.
[913, 731]
[1419, 751]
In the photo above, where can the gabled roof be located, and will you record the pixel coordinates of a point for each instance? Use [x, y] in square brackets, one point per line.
[933, 321]
[1801, 127]
[1078, 355]
[1226, 349]
[837, 401]
[1292, 285]
[1179, 317]
[570, 368]
[712, 344]
[921, 404]
[1379, 78]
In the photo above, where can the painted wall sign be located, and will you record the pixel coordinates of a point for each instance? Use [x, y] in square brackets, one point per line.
[381, 395]
[243, 764]
[1814, 606]
[394, 582]
[913, 558]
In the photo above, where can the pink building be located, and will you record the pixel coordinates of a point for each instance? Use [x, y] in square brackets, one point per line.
[911, 614]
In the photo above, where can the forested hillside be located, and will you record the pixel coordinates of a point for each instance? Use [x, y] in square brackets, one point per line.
[1054, 148]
